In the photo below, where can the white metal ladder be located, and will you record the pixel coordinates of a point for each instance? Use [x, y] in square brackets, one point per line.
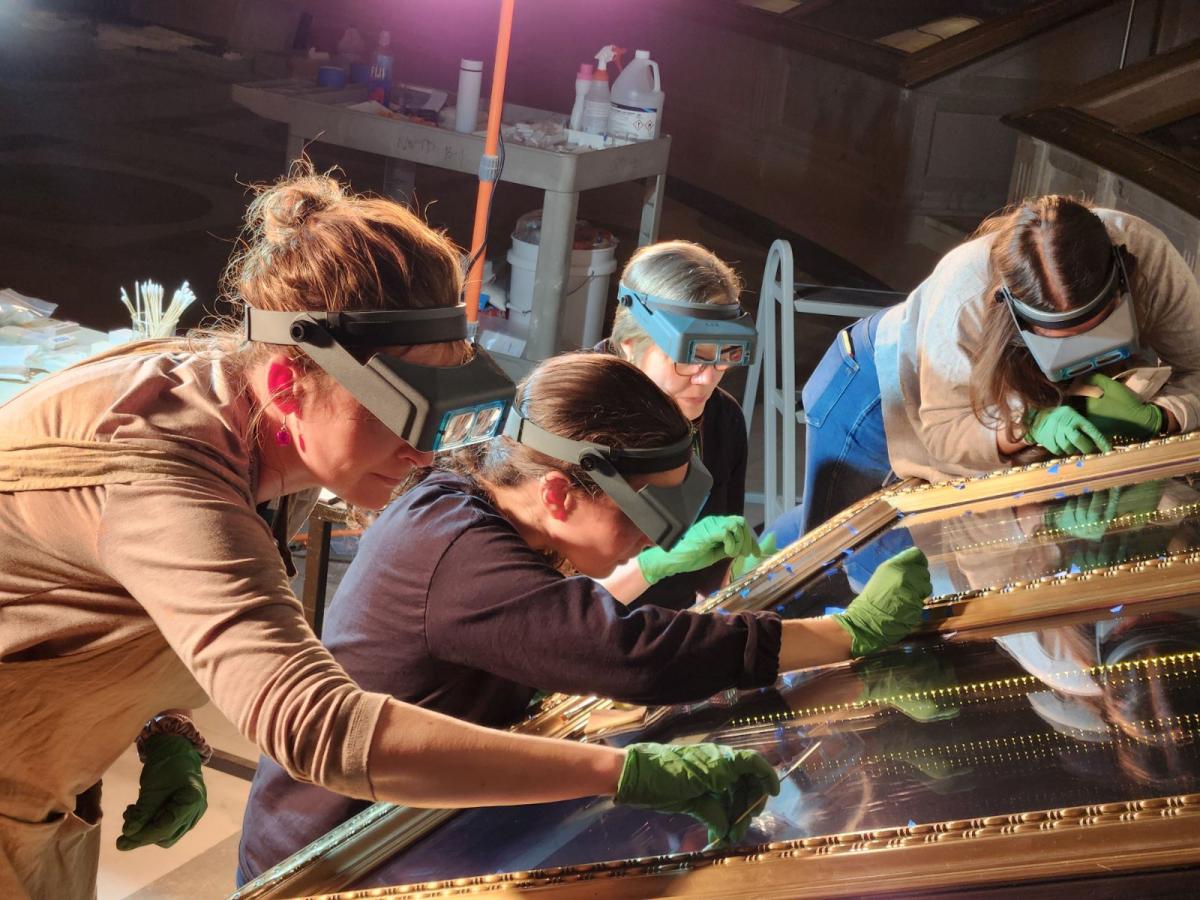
[775, 362]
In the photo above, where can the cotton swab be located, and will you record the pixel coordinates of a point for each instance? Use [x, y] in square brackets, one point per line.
[149, 318]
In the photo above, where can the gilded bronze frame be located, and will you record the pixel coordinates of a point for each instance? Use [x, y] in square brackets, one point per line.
[1068, 842]
[1071, 842]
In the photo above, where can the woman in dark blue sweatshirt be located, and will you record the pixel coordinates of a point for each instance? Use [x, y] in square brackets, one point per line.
[457, 600]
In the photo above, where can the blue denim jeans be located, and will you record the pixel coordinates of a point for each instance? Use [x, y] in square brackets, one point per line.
[845, 452]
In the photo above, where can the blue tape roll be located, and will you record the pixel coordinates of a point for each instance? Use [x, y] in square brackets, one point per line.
[331, 76]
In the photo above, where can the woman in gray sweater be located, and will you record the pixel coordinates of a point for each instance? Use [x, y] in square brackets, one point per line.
[982, 358]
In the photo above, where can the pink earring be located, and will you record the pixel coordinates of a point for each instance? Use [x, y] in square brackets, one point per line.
[283, 437]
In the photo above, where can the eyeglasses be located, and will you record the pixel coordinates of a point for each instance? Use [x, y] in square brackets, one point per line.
[721, 358]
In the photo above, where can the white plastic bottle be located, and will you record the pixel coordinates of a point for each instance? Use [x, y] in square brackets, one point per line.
[470, 79]
[636, 100]
[596, 102]
[583, 81]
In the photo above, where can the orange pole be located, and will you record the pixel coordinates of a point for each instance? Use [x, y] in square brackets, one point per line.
[490, 149]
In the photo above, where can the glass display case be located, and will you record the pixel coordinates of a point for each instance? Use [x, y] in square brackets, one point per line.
[1041, 726]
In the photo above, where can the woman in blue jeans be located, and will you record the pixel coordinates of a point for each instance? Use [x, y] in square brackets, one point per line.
[978, 363]
[846, 454]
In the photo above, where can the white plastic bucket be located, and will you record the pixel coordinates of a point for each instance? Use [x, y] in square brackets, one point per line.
[582, 323]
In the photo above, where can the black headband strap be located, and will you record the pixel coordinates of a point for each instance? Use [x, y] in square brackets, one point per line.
[360, 328]
[1069, 317]
[632, 461]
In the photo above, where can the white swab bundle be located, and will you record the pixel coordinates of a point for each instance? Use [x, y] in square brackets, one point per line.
[150, 320]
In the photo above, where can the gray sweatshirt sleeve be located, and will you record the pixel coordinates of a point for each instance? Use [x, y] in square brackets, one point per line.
[1170, 305]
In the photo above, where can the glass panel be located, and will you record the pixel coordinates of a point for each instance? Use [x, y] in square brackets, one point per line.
[1100, 712]
[973, 548]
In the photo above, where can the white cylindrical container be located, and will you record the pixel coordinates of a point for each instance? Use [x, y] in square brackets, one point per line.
[470, 80]
[582, 323]
[636, 100]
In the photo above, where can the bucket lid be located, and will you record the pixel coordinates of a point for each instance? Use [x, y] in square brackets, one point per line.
[587, 236]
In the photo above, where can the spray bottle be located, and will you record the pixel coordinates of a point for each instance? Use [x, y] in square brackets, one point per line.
[596, 103]
[583, 81]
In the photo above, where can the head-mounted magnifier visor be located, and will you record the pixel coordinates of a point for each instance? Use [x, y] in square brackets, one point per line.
[662, 513]
[708, 334]
[1066, 357]
[432, 407]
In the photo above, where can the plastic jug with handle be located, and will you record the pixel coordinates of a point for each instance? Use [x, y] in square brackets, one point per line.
[636, 100]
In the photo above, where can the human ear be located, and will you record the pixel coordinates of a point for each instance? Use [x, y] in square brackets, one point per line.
[557, 497]
[283, 376]
[627, 349]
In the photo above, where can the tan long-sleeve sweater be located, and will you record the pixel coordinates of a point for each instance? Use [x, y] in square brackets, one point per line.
[119, 600]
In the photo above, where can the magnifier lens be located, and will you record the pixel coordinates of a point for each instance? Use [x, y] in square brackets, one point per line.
[705, 354]
[457, 430]
[733, 354]
[487, 423]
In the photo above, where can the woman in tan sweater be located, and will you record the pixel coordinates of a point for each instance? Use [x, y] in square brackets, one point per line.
[137, 577]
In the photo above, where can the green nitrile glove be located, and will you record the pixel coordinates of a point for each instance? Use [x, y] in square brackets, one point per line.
[711, 539]
[1119, 412]
[1064, 432]
[1091, 519]
[172, 797]
[743, 564]
[1086, 516]
[722, 787]
[917, 684]
[891, 603]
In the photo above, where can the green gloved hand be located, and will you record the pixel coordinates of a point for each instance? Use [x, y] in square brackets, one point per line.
[1064, 432]
[1092, 517]
[722, 787]
[172, 797]
[1086, 516]
[891, 603]
[1119, 412]
[920, 685]
[743, 564]
[711, 539]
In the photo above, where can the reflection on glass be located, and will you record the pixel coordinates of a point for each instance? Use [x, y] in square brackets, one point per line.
[986, 546]
[1102, 712]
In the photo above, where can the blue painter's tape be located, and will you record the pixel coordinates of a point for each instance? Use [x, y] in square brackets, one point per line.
[1059, 495]
[787, 567]
[331, 77]
[1074, 570]
[1053, 470]
[911, 822]
[1086, 490]
[850, 528]
[1079, 464]
[780, 608]
[744, 592]
[1117, 608]
[770, 576]
[830, 610]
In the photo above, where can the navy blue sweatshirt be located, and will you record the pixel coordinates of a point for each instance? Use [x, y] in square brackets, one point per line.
[446, 606]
